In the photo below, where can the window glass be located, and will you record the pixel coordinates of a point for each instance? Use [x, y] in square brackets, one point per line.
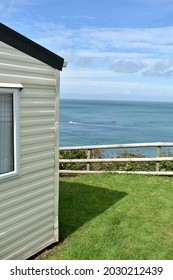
[6, 133]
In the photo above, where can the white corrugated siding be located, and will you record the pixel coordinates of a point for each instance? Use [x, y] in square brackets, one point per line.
[27, 202]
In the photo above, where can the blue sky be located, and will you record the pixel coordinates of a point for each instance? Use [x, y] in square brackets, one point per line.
[116, 49]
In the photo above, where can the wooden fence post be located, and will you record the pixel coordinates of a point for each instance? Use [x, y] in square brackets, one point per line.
[158, 155]
[88, 157]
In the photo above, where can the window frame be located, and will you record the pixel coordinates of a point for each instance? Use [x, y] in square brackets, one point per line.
[15, 91]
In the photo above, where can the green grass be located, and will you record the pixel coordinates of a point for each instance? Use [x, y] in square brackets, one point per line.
[110, 216]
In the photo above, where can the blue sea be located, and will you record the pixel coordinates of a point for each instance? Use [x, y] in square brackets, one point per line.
[91, 122]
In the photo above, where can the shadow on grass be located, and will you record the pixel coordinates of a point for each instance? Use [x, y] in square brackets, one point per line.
[80, 203]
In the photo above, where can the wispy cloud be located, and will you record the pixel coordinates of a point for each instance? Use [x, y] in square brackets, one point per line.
[101, 57]
[126, 66]
[163, 67]
[77, 17]
[107, 84]
[147, 51]
[104, 56]
[9, 6]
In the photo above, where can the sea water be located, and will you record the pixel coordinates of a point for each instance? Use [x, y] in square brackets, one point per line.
[92, 122]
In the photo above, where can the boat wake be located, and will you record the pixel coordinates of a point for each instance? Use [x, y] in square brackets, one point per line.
[71, 122]
[89, 124]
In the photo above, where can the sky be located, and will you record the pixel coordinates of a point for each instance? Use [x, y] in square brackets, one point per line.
[115, 49]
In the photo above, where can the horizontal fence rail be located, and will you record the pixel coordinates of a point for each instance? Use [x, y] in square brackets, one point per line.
[116, 160]
[115, 146]
[88, 160]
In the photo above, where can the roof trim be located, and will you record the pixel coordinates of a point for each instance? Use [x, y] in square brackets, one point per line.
[24, 44]
[7, 85]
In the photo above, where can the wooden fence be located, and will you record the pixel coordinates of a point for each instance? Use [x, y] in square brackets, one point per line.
[88, 160]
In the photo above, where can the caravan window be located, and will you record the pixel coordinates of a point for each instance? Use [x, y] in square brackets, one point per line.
[9, 132]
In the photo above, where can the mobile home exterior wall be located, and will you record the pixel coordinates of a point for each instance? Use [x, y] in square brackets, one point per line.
[29, 202]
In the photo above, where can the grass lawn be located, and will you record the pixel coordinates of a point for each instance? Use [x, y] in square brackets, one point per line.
[110, 216]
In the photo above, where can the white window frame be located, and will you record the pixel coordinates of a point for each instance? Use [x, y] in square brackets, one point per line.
[15, 91]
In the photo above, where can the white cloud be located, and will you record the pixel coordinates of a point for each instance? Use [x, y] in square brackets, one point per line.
[84, 61]
[163, 67]
[106, 59]
[124, 50]
[12, 6]
[77, 17]
[126, 66]
[104, 83]
[8, 7]
[158, 39]
[94, 82]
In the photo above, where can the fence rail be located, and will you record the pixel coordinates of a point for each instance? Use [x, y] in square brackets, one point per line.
[88, 160]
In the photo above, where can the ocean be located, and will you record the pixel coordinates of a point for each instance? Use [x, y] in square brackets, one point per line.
[92, 122]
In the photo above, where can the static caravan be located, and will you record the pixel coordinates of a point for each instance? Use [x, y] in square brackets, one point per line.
[29, 104]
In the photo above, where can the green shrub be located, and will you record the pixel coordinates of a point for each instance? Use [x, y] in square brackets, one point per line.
[78, 154]
[74, 154]
[130, 166]
[167, 165]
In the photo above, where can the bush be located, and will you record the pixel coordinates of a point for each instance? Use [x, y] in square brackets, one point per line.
[130, 166]
[74, 154]
[167, 165]
[78, 154]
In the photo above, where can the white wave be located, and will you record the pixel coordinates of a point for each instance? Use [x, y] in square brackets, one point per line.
[71, 122]
[89, 124]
